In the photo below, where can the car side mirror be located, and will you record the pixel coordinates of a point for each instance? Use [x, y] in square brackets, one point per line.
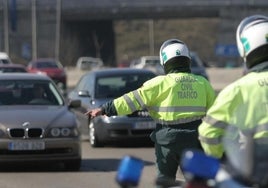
[83, 93]
[74, 104]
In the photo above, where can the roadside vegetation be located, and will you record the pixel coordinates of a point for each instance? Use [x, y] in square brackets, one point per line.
[134, 38]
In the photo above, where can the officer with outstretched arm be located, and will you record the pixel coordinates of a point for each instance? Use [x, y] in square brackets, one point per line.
[177, 101]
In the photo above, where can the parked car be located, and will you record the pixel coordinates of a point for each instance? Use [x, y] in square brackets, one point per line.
[99, 86]
[153, 63]
[4, 68]
[123, 64]
[148, 62]
[37, 129]
[89, 63]
[52, 68]
[198, 66]
[4, 58]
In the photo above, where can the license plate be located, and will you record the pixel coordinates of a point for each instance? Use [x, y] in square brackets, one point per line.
[145, 125]
[29, 145]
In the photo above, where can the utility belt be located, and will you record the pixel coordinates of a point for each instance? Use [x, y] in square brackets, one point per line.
[184, 126]
[178, 121]
[184, 133]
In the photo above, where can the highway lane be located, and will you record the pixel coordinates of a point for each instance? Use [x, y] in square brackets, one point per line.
[99, 165]
[98, 170]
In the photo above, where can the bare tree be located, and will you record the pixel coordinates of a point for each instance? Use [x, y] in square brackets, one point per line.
[70, 49]
[98, 45]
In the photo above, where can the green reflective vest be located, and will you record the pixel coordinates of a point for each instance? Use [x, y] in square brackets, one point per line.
[243, 104]
[171, 99]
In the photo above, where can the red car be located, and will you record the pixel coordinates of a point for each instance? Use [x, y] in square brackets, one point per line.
[51, 68]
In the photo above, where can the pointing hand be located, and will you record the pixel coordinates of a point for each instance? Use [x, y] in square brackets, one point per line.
[94, 113]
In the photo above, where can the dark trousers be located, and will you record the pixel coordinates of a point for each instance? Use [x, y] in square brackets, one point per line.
[170, 142]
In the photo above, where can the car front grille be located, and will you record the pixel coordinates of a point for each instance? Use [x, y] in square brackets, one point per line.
[26, 133]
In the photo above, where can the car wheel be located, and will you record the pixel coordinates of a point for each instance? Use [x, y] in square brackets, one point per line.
[72, 165]
[93, 138]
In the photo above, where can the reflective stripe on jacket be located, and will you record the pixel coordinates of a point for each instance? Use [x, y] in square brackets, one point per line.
[171, 99]
[243, 104]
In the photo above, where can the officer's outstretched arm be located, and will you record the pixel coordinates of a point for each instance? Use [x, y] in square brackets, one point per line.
[94, 113]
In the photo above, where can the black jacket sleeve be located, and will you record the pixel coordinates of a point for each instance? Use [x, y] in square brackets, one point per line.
[109, 109]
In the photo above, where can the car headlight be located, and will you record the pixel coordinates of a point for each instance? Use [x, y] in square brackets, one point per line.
[64, 132]
[41, 72]
[55, 132]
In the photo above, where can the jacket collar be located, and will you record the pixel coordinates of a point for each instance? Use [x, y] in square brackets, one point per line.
[260, 67]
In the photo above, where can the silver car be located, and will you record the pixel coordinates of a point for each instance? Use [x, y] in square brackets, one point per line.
[100, 86]
[153, 63]
[37, 128]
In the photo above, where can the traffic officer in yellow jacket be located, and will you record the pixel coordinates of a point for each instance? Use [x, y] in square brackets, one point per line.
[244, 103]
[176, 101]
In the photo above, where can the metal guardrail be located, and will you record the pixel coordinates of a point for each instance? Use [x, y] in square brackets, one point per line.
[77, 5]
[131, 9]
[92, 9]
[152, 3]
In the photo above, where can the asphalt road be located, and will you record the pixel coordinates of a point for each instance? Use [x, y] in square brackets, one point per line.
[99, 165]
[98, 170]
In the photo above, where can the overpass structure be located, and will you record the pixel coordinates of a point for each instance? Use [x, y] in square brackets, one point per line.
[67, 29]
[152, 9]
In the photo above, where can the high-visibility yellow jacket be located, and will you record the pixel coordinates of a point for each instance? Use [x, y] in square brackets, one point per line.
[242, 104]
[170, 99]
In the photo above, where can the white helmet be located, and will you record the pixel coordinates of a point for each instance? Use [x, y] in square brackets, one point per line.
[173, 48]
[251, 34]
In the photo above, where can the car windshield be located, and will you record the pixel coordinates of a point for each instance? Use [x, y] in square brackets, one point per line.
[89, 64]
[47, 64]
[115, 86]
[23, 92]
[11, 69]
[4, 61]
[152, 62]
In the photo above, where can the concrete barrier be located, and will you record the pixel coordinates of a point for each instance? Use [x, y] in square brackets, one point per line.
[221, 77]
[73, 76]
